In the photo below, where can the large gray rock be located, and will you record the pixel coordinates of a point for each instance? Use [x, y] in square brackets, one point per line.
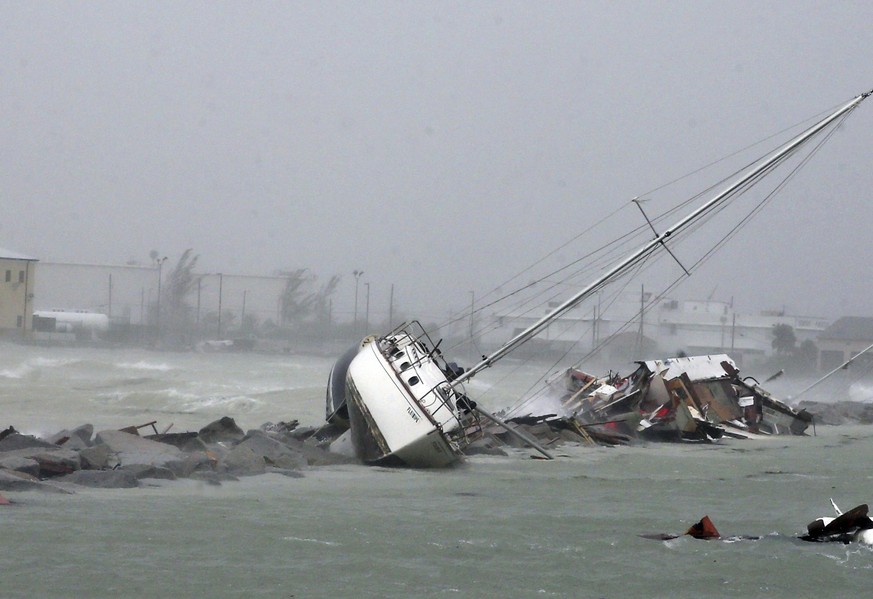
[223, 430]
[96, 457]
[18, 481]
[140, 471]
[20, 464]
[187, 442]
[274, 452]
[57, 462]
[316, 455]
[242, 461]
[53, 460]
[133, 449]
[78, 438]
[17, 441]
[104, 479]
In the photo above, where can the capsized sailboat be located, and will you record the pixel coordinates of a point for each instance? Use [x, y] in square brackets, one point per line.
[407, 405]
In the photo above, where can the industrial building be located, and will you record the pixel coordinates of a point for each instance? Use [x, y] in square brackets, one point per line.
[16, 293]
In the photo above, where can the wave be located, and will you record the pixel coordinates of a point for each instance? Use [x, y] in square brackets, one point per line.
[238, 403]
[33, 366]
[306, 540]
[143, 365]
[41, 362]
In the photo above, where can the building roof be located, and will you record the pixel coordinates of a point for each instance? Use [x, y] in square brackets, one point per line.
[10, 255]
[850, 328]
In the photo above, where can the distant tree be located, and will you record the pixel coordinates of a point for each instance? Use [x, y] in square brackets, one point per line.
[322, 299]
[176, 314]
[784, 339]
[296, 302]
[249, 324]
[181, 281]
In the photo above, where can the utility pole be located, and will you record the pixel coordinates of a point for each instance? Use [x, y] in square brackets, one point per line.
[242, 319]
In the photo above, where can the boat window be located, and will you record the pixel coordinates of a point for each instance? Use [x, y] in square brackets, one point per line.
[413, 380]
[404, 366]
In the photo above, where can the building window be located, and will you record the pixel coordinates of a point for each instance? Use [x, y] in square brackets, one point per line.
[8, 275]
[21, 276]
[19, 322]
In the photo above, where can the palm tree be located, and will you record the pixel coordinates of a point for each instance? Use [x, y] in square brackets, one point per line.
[295, 302]
[181, 281]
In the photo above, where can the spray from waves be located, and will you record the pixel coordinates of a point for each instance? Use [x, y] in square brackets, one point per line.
[861, 392]
[32, 368]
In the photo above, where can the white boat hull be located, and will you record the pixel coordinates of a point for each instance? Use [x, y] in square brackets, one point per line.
[396, 416]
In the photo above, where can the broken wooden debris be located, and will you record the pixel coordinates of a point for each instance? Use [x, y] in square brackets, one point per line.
[696, 399]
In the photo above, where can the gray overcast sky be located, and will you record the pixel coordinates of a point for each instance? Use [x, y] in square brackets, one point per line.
[439, 146]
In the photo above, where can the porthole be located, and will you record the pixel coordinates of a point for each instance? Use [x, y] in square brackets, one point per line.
[413, 380]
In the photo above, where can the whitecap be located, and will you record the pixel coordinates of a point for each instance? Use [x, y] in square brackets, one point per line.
[317, 541]
[236, 403]
[143, 365]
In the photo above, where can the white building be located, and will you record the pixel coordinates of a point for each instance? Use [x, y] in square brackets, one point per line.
[668, 326]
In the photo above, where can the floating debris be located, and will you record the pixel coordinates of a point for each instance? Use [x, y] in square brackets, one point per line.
[854, 526]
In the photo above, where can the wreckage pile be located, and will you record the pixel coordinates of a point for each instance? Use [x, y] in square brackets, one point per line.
[220, 451]
[691, 399]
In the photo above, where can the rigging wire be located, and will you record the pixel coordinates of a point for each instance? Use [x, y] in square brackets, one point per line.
[463, 315]
[755, 210]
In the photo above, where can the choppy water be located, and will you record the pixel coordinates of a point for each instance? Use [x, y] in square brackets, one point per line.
[495, 527]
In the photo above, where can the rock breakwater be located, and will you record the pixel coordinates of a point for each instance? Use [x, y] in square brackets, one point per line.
[220, 451]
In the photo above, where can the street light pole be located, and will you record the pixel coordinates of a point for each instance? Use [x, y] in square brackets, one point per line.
[160, 277]
[391, 309]
[367, 313]
[357, 274]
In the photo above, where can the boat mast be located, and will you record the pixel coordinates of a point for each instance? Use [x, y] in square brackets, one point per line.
[659, 240]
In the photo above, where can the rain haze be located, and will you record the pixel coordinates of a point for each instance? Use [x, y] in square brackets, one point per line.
[438, 147]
